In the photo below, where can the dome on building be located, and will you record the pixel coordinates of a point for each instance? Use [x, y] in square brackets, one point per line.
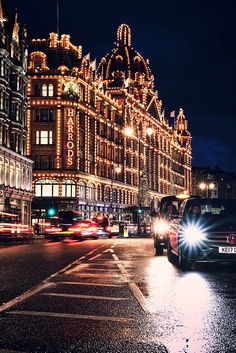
[125, 64]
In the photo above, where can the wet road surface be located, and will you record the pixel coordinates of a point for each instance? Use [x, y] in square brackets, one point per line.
[115, 297]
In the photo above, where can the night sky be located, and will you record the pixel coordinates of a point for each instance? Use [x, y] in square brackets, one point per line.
[192, 50]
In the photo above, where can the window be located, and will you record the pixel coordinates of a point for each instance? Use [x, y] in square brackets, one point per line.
[43, 162]
[44, 90]
[68, 188]
[44, 114]
[91, 191]
[47, 90]
[47, 188]
[82, 190]
[43, 137]
[50, 90]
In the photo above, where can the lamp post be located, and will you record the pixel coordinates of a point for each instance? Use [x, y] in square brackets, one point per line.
[115, 171]
[207, 188]
[143, 198]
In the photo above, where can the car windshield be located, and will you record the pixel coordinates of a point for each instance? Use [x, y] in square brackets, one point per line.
[211, 207]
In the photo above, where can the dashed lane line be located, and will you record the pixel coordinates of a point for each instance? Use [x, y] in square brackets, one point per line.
[81, 296]
[70, 316]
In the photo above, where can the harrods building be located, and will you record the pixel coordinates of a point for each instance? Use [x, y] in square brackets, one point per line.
[15, 169]
[98, 138]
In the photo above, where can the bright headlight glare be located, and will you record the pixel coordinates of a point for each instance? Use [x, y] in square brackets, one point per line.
[161, 226]
[193, 234]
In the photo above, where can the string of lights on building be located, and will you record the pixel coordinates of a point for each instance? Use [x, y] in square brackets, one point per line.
[77, 124]
[97, 136]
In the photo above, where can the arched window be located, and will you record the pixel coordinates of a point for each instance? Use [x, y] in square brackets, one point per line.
[114, 195]
[82, 189]
[44, 90]
[91, 191]
[99, 196]
[107, 194]
[50, 90]
[68, 188]
[47, 188]
[37, 90]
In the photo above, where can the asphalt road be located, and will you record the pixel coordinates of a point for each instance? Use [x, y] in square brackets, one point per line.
[112, 296]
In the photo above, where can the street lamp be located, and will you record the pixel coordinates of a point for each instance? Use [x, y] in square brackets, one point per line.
[142, 178]
[116, 170]
[207, 188]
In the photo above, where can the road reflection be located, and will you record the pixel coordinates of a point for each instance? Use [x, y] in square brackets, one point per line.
[187, 306]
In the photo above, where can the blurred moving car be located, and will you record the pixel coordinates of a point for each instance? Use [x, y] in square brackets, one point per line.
[12, 229]
[103, 225]
[169, 208]
[69, 224]
[204, 231]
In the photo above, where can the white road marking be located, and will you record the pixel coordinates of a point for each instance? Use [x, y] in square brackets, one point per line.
[123, 270]
[91, 284]
[45, 284]
[70, 316]
[80, 296]
[140, 297]
[94, 257]
[25, 295]
[115, 257]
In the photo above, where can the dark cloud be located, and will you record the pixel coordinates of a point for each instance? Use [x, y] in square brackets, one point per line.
[192, 52]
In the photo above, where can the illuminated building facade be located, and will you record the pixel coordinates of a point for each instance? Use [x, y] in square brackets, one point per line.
[15, 168]
[77, 121]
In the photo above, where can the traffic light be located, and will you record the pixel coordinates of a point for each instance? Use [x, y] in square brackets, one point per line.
[139, 210]
[51, 212]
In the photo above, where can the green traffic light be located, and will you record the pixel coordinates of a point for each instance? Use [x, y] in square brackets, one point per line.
[139, 210]
[51, 212]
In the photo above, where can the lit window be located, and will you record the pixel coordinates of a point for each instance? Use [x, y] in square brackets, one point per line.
[91, 191]
[44, 90]
[50, 90]
[82, 190]
[68, 188]
[47, 188]
[43, 137]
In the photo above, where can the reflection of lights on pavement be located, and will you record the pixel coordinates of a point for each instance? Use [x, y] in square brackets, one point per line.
[183, 302]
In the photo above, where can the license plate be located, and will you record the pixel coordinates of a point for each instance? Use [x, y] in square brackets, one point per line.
[227, 249]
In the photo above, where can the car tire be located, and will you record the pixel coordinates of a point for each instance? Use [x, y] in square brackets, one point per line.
[170, 256]
[158, 247]
[109, 236]
[184, 263]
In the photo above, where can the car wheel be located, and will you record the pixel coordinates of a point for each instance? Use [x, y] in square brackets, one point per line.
[183, 262]
[109, 236]
[170, 256]
[158, 247]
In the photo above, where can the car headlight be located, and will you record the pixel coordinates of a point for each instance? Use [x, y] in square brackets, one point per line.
[193, 234]
[161, 226]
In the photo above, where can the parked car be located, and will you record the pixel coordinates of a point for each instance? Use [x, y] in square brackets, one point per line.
[204, 231]
[169, 208]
